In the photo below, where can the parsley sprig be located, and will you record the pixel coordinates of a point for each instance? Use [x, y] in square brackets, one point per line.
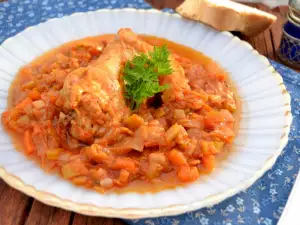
[141, 75]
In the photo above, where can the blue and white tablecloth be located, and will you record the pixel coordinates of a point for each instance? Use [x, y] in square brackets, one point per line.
[263, 202]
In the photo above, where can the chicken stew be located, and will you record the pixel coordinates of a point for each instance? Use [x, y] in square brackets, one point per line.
[121, 112]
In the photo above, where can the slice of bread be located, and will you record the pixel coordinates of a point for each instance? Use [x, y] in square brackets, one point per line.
[227, 15]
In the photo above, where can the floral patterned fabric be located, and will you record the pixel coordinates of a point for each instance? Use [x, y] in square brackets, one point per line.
[263, 202]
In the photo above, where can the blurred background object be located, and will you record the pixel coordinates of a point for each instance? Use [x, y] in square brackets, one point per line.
[175, 3]
[223, 15]
[270, 3]
[289, 51]
[227, 16]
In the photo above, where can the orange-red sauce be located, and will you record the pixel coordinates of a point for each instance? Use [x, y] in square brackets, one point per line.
[43, 79]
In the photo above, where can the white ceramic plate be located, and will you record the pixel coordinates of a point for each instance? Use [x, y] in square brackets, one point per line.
[264, 128]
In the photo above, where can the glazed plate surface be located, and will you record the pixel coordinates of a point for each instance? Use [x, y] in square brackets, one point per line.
[264, 127]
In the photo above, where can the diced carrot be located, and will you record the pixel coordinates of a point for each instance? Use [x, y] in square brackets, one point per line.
[187, 173]
[74, 169]
[95, 51]
[220, 76]
[53, 99]
[208, 148]
[204, 147]
[53, 154]
[194, 162]
[124, 163]
[89, 184]
[213, 120]
[203, 96]
[50, 165]
[28, 143]
[14, 114]
[206, 107]
[230, 106]
[34, 94]
[81, 180]
[99, 189]
[124, 176]
[229, 140]
[159, 113]
[213, 149]
[95, 152]
[5, 117]
[218, 144]
[28, 85]
[209, 162]
[198, 95]
[26, 72]
[134, 121]
[24, 103]
[216, 100]
[177, 158]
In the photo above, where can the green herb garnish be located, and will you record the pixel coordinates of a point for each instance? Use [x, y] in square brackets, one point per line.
[141, 75]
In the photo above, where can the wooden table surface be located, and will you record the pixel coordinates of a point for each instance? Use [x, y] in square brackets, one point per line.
[19, 209]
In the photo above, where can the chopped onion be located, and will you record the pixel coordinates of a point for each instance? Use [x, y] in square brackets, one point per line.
[53, 154]
[106, 183]
[64, 156]
[38, 104]
[23, 121]
[173, 131]
[179, 114]
[138, 140]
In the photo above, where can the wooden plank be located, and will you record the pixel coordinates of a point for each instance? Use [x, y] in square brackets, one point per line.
[42, 214]
[283, 11]
[276, 29]
[2, 187]
[268, 41]
[270, 53]
[258, 41]
[119, 222]
[14, 205]
[87, 220]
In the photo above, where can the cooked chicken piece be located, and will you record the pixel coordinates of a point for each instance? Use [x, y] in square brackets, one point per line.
[95, 92]
[96, 89]
[179, 89]
[71, 92]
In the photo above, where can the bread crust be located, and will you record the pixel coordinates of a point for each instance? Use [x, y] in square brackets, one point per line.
[231, 17]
